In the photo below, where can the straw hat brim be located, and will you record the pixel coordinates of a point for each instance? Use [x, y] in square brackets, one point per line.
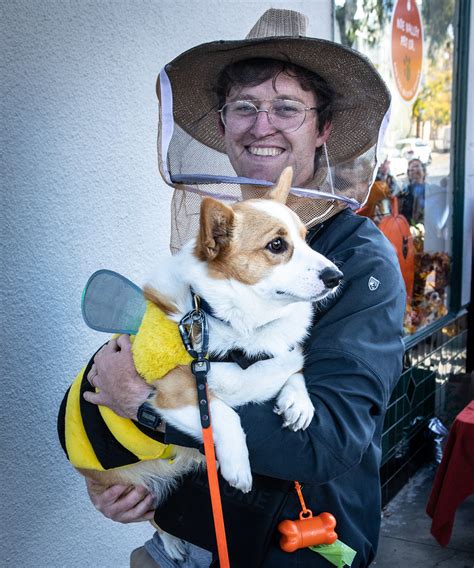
[362, 102]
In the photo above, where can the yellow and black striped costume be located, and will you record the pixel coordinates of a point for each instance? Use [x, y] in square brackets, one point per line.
[94, 437]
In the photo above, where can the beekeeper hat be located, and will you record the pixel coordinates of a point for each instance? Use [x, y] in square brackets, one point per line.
[191, 147]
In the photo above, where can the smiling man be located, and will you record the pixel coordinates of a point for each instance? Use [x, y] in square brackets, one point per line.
[270, 117]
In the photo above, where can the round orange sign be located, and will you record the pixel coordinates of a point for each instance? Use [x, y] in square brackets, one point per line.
[407, 48]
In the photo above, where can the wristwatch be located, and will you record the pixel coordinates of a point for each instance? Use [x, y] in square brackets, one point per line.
[148, 416]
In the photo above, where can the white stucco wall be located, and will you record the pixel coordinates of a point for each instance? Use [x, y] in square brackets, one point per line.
[80, 191]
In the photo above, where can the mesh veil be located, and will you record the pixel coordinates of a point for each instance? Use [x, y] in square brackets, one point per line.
[191, 153]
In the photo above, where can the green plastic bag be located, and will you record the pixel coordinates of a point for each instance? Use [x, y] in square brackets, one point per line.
[336, 553]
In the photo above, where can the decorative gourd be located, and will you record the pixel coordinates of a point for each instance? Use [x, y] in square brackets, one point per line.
[378, 192]
[397, 230]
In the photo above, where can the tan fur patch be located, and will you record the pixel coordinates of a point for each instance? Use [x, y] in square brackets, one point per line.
[164, 303]
[105, 478]
[302, 230]
[233, 240]
[246, 257]
[176, 389]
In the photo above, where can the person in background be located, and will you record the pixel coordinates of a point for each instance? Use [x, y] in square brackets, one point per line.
[412, 197]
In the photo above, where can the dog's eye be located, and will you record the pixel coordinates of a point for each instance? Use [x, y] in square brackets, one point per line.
[278, 245]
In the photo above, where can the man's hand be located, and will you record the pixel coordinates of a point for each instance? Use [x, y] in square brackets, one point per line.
[120, 386]
[121, 503]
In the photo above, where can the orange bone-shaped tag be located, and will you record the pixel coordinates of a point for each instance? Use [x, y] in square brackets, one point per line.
[307, 531]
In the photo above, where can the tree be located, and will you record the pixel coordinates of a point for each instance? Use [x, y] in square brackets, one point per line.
[367, 17]
[438, 16]
[434, 100]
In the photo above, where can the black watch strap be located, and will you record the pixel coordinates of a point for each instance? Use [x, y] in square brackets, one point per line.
[148, 416]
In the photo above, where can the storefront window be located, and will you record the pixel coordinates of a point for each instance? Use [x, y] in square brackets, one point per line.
[411, 44]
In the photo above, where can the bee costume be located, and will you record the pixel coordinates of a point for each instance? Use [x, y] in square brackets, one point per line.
[94, 437]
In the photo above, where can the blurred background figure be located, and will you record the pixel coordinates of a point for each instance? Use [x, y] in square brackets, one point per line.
[426, 203]
[412, 199]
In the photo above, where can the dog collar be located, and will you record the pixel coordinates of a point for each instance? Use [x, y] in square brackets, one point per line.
[205, 306]
[234, 355]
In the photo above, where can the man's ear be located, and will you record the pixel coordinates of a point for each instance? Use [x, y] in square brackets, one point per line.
[220, 125]
[324, 134]
[282, 188]
[216, 225]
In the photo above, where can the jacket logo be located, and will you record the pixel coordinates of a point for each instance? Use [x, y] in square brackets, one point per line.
[373, 283]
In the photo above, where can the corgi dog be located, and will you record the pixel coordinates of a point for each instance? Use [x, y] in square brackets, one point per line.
[252, 266]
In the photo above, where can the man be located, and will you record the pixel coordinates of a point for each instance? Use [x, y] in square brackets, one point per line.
[318, 107]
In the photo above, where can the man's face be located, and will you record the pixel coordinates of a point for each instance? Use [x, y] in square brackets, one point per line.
[262, 152]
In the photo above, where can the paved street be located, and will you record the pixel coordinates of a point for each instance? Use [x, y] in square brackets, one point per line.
[406, 540]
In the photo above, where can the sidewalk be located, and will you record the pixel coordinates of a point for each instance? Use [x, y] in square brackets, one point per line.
[405, 539]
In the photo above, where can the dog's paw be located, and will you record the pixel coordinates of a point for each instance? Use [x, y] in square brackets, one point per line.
[175, 547]
[294, 406]
[237, 472]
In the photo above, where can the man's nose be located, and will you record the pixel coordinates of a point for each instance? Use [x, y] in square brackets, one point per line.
[262, 125]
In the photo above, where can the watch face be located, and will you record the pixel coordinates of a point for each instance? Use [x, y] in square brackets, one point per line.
[147, 416]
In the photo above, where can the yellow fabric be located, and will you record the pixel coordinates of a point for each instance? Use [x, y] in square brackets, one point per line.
[79, 449]
[125, 431]
[157, 349]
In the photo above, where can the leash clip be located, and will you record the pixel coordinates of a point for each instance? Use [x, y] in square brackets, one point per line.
[195, 335]
[194, 331]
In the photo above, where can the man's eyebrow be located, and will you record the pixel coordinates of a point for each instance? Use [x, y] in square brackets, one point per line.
[288, 98]
[245, 97]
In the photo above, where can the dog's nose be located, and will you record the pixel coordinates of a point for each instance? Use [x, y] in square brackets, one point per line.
[331, 277]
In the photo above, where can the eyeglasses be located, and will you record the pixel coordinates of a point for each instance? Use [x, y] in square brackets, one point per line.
[284, 114]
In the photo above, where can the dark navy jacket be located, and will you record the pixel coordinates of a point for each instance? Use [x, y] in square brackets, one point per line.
[353, 361]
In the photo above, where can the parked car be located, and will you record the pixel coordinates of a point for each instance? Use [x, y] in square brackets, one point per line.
[411, 148]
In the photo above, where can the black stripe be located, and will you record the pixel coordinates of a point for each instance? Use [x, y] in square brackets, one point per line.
[154, 434]
[238, 356]
[61, 424]
[108, 450]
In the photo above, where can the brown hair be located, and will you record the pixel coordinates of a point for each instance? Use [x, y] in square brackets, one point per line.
[252, 72]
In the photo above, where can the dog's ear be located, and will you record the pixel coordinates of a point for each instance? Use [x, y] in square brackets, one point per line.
[282, 189]
[216, 225]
